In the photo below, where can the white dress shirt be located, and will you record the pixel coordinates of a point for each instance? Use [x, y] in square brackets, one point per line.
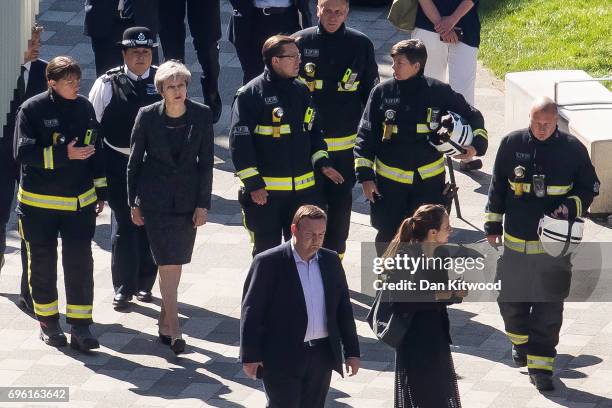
[314, 295]
[26, 73]
[102, 91]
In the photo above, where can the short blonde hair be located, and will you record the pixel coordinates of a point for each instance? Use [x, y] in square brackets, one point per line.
[171, 69]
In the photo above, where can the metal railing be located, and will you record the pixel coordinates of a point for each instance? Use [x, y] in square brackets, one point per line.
[16, 20]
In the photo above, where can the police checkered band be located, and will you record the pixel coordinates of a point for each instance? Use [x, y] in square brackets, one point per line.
[139, 42]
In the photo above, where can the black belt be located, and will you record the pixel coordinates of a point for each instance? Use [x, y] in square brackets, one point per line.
[268, 11]
[316, 342]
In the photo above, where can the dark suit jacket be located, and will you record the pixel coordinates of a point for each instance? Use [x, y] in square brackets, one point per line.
[240, 29]
[273, 320]
[155, 182]
[100, 16]
[37, 83]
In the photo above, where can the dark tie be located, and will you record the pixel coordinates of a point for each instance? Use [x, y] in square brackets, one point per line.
[128, 9]
[21, 85]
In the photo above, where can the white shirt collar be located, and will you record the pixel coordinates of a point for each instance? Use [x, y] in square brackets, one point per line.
[27, 65]
[298, 258]
[133, 76]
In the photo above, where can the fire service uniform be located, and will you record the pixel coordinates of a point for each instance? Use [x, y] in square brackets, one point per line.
[340, 70]
[275, 144]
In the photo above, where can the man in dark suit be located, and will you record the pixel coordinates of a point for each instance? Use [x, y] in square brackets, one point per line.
[254, 21]
[297, 318]
[204, 18]
[105, 22]
[31, 82]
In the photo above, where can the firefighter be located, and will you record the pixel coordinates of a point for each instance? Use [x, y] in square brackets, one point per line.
[116, 97]
[394, 161]
[61, 191]
[339, 68]
[538, 171]
[275, 145]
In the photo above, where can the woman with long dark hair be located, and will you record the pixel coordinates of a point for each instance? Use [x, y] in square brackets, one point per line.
[424, 372]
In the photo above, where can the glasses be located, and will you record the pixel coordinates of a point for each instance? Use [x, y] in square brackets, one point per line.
[294, 56]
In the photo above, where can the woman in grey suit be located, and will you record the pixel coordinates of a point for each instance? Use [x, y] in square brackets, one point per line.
[170, 183]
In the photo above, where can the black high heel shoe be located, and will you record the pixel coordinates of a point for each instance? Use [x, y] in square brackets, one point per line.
[164, 339]
[177, 345]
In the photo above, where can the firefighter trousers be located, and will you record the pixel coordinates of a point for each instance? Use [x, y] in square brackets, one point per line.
[398, 201]
[132, 265]
[338, 201]
[39, 229]
[531, 304]
[270, 223]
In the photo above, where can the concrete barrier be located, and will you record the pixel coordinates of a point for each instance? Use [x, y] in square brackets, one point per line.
[585, 111]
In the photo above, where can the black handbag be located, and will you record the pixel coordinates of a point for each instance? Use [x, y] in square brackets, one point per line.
[389, 327]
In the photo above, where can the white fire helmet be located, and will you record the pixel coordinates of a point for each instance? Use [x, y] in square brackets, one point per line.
[560, 237]
[461, 136]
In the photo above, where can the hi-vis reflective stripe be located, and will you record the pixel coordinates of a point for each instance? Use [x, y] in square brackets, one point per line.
[422, 128]
[578, 205]
[493, 217]
[335, 144]
[481, 133]
[353, 87]
[286, 183]
[48, 158]
[100, 182]
[520, 245]
[517, 339]
[304, 181]
[550, 190]
[432, 169]
[394, 173]
[46, 309]
[79, 311]
[246, 173]
[318, 82]
[540, 362]
[268, 130]
[318, 155]
[363, 162]
[56, 202]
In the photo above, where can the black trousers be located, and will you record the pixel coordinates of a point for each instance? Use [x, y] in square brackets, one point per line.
[399, 201]
[268, 224]
[132, 264]
[204, 18]
[263, 27]
[107, 54]
[40, 228]
[531, 304]
[305, 388]
[338, 201]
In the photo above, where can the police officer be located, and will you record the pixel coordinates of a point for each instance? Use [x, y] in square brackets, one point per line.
[339, 67]
[204, 19]
[61, 191]
[275, 145]
[537, 171]
[398, 168]
[116, 97]
[31, 82]
[253, 21]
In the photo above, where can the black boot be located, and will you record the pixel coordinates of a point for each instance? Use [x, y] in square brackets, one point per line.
[470, 165]
[543, 382]
[82, 339]
[215, 105]
[519, 357]
[51, 333]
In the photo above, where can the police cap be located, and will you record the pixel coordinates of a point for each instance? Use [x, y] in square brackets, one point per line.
[138, 37]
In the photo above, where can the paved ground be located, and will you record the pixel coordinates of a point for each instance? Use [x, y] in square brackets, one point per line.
[132, 369]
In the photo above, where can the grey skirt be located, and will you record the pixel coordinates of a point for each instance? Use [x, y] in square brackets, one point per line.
[171, 237]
